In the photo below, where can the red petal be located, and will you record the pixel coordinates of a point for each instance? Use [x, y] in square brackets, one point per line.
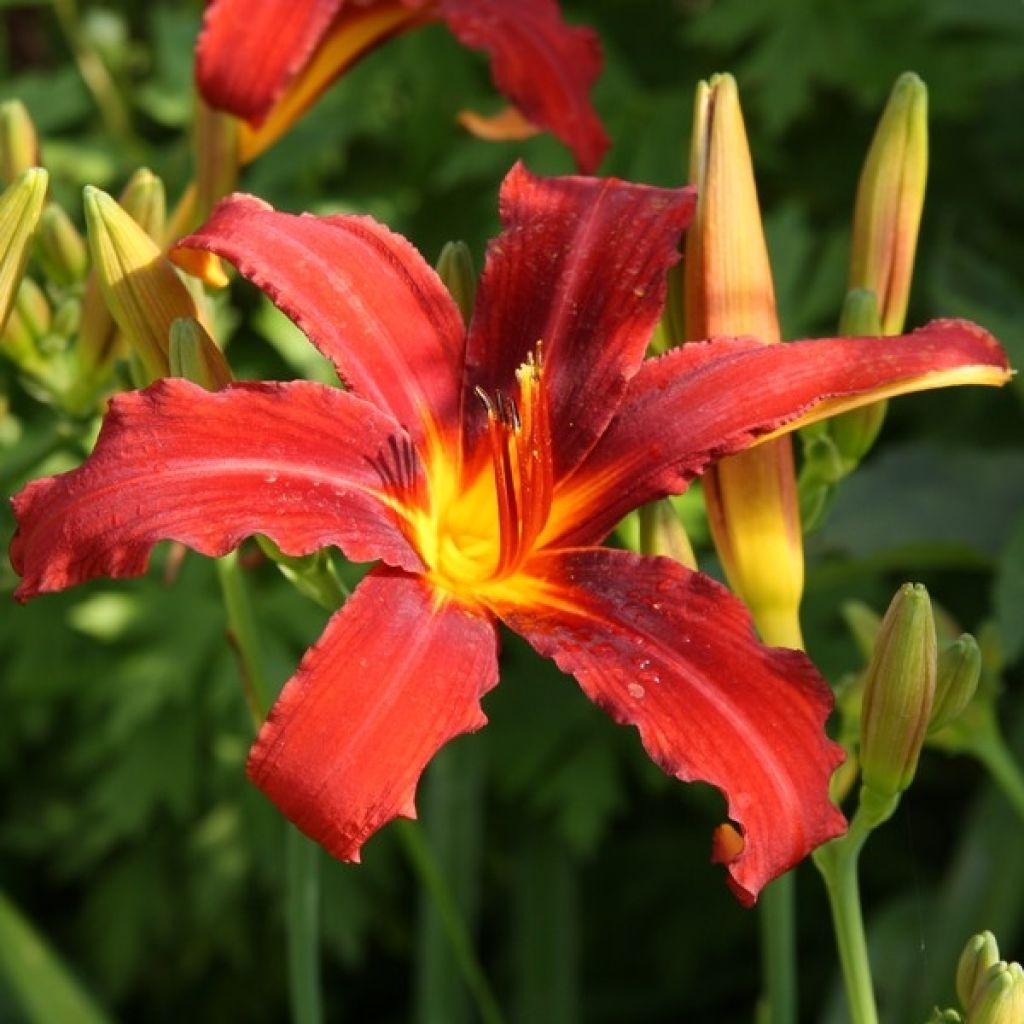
[545, 67]
[302, 463]
[581, 267]
[398, 672]
[674, 653]
[249, 52]
[362, 294]
[704, 401]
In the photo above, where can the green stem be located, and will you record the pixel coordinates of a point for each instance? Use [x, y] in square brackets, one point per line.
[434, 885]
[995, 755]
[303, 922]
[302, 886]
[778, 950]
[837, 861]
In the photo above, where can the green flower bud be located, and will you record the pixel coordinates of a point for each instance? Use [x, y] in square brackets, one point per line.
[194, 355]
[145, 200]
[60, 248]
[980, 953]
[899, 690]
[33, 307]
[890, 198]
[999, 996]
[140, 286]
[455, 268]
[19, 145]
[662, 533]
[20, 206]
[956, 681]
[68, 317]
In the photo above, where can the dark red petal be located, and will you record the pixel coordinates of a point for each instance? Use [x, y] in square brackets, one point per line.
[674, 653]
[581, 267]
[398, 672]
[545, 67]
[707, 400]
[363, 295]
[248, 52]
[303, 463]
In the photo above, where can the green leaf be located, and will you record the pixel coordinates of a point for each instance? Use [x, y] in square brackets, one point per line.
[43, 985]
[1008, 597]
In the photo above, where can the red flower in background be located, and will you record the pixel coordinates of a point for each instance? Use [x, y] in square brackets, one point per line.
[483, 468]
[268, 61]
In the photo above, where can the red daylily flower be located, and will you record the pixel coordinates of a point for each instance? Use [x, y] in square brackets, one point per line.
[267, 62]
[483, 468]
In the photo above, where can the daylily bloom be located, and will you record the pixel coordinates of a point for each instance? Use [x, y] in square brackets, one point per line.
[268, 62]
[483, 467]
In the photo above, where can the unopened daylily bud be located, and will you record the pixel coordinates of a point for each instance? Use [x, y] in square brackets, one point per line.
[20, 206]
[999, 997]
[751, 498]
[956, 680]
[67, 317]
[142, 290]
[19, 144]
[144, 200]
[194, 355]
[455, 268]
[662, 533]
[60, 248]
[980, 953]
[33, 308]
[899, 690]
[890, 198]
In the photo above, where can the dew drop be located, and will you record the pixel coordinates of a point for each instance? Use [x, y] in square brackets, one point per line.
[637, 691]
[271, 478]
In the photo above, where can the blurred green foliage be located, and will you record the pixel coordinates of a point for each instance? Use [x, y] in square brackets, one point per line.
[128, 835]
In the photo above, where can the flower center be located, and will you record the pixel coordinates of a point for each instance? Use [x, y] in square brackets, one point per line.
[490, 524]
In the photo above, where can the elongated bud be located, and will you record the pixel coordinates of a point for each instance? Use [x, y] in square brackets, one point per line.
[144, 199]
[980, 953]
[662, 533]
[20, 207]
[33, 308]
[140, 286]
[195, 356]
[999, 997]
[956, 681]
[899, 690]
[455, 268]
[19, 144]
[751, 498]
[60, 248]
[890, 198]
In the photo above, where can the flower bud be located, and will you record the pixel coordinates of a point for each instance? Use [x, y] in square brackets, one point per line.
[999, 996]
[20, 206]
[144, 200]
[899, 690]
[60, 248]
[455, 268]
[890, 198]
[33, 308]
[140, 286]
[956, 680]
[751, 498]
[194, 355]
[980, 953]
[662, 533]
[19, 145]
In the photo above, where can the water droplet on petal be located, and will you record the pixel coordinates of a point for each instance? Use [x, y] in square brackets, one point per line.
[271, 478]
[637, 691]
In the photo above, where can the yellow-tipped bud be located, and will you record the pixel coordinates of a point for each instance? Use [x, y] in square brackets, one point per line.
[145, 201]
[19, 144]
[980, 953]
[60, 248]
[662, 533]
[455, 268]
[899, 690]
[751, 498]
[20, 207]
[890, 198]
[140, 286]
[194, 355]
[999, 997]
[956, 681]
